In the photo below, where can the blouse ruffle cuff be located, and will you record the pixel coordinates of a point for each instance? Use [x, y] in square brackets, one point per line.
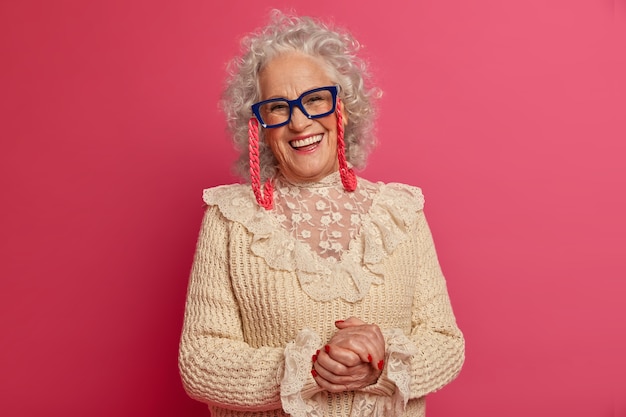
[299, 393]
[390, 394]
[388, 224]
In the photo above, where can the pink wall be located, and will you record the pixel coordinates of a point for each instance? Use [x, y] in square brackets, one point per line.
[510, 115]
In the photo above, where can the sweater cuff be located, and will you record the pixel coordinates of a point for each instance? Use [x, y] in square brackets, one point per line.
[384, 386]
[310, 388]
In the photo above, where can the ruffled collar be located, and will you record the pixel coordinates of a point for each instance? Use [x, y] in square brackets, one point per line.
[387, 224]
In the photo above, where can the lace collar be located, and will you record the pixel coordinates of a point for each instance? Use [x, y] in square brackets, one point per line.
[386, 224]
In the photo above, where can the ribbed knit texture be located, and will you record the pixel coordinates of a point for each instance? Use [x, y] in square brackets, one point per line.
[241, 313]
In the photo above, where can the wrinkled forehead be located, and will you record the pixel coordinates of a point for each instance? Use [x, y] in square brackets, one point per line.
[287, 64]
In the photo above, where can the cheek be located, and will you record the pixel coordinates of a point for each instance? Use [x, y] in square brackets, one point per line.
[272, 139]
[269, 138]
[331, 127]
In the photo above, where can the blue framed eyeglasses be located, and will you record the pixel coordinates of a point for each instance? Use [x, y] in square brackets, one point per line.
[316, 103]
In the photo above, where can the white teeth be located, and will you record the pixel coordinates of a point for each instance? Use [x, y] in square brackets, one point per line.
[306, 142]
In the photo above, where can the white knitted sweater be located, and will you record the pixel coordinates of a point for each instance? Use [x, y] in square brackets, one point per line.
[265, 292]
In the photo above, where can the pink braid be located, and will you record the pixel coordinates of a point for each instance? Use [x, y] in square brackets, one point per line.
[265, 201]
[348, 177]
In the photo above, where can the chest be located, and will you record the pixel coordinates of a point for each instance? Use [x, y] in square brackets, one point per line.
[275, 305]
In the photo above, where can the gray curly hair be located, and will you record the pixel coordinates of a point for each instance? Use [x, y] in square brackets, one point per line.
[337, 48]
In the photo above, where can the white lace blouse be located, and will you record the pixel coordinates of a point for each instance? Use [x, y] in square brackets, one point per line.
[267, 286]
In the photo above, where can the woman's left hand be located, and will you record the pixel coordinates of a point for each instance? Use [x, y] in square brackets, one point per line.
[352, 359]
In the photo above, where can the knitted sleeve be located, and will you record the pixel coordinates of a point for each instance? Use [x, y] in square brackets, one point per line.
[217, 367]
[440, 343]
[433, 353]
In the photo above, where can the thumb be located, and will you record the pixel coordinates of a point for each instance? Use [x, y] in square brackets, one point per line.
[349, 322]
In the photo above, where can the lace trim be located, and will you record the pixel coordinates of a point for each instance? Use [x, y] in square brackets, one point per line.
[297, 371]
[397, 369]
[382, 229]
[298, 367]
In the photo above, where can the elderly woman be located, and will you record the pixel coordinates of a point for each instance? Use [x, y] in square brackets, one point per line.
[313, 292]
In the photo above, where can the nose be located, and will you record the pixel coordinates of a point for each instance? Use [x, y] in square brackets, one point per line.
[299, 121]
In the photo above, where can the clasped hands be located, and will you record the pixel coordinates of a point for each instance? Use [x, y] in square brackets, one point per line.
[353, 358]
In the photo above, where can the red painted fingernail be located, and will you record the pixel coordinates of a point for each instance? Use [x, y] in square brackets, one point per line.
[314, 373]
[317, 352]
[381, 364]
[314, 358]
[327, 349]
[369, 358]
[338, 321]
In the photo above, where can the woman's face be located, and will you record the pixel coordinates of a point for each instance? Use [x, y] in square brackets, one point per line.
[306, 149]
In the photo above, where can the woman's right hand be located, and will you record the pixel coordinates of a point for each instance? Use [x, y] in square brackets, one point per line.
[352, 359]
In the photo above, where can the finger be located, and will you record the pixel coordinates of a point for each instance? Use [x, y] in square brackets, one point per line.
[330, 369]
[328, 386]
[342, 375]
[336, 354]
[349, 322]
[355, 378]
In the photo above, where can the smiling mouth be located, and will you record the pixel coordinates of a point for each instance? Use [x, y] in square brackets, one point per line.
[303, 143]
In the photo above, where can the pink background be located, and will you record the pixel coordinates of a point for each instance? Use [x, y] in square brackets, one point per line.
[509, 115]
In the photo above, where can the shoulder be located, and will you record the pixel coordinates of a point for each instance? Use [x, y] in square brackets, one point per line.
[236, 204]
[224, 195]
[396, 194]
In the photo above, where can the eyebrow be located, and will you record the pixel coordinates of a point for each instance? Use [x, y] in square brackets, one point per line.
[299, 94]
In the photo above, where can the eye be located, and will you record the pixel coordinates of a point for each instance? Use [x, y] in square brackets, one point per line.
[313, 98]
[278, 107]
